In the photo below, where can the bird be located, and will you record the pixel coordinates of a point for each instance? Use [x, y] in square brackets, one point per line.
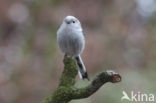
[71, 42]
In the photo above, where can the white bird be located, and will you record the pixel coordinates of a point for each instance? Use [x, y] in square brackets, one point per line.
[125, 96]
[71, 41]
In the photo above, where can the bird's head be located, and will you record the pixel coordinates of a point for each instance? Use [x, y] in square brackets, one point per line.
[73, 22]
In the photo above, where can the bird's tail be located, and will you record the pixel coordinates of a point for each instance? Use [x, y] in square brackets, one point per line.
[81, 68]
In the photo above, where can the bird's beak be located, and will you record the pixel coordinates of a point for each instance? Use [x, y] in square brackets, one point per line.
[68, 22]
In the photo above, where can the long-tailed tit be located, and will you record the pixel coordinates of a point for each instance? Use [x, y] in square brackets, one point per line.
[71, 41]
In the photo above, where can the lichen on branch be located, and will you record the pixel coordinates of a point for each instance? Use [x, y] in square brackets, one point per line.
[66, 90]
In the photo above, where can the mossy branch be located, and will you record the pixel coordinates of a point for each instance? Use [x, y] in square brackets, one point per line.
[66, 90]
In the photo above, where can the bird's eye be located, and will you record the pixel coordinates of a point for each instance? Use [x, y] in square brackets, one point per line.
[73, 21]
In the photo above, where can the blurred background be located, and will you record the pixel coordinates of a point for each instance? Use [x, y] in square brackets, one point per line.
[120, 35]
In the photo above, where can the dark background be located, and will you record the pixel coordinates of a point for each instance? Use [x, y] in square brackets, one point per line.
[120, 35]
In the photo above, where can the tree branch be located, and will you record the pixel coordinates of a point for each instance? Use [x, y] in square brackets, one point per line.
[102, 78]
[69, 74]
[66, 90]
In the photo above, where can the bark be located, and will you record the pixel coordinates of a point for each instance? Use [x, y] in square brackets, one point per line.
[66, 90]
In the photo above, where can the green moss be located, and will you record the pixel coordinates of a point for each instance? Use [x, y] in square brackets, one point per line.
[69, 73]
[48, 99]
[80, 93]
[64, 92]
[61, 95]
